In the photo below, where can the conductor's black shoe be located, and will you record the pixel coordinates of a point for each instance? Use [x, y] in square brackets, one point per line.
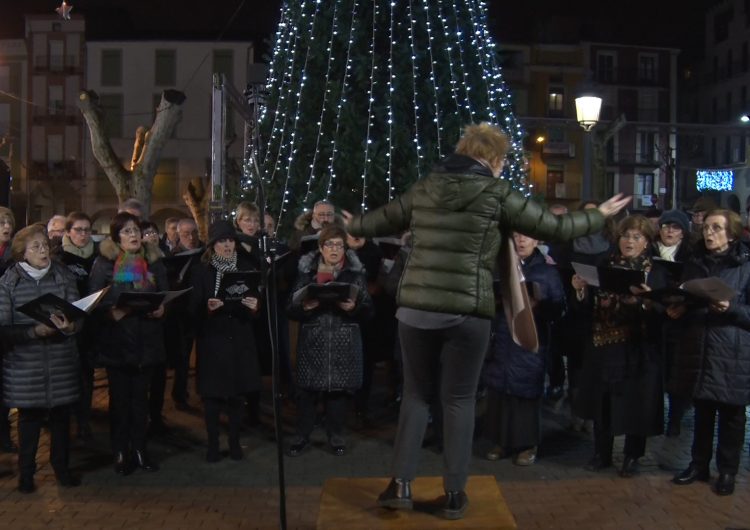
[397, 496]
[122, 464]
[299, 446]
[724, 484]
[454, 506]
[338, 445]
[690, 475]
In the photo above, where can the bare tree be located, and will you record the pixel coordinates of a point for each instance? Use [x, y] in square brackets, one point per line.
[138, 180]
[196, 198]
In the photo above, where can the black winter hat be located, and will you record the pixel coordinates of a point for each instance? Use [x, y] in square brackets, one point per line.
[677, 217]
[221, 230]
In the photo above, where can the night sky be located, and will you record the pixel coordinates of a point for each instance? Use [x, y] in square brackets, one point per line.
[657, 22]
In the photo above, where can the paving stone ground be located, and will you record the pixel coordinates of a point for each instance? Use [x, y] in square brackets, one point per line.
[555, 493]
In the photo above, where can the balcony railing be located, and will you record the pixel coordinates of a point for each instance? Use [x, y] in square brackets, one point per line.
[558, 150]
[66, 170]
[58, 63]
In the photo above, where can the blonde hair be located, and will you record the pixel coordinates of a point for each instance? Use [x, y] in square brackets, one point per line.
[484, 141]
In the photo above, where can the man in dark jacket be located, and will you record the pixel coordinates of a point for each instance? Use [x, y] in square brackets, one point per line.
[458, 215]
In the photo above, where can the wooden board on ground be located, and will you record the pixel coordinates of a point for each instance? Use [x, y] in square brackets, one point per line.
[351, 503]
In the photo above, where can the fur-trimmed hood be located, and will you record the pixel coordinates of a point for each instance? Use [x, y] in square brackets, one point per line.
[309, 262]
[110, 250]
[303, 222]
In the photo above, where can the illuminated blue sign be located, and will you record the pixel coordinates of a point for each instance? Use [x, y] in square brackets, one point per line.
[714, 179]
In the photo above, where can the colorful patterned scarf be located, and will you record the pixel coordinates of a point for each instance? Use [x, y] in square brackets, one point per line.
[133, 268]
[615, 321]
[328, 273]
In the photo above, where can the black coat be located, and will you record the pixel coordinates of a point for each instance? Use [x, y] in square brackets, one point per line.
[713, 360]
[135, 340]
[227, 358]
[628, 372]
[37, 372]
[329, 349]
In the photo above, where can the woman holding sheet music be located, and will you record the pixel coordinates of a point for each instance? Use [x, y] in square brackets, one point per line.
[130, 342]
[620, 385]
[40, 365]
[227, 359]
[329, 349]
[713, 360]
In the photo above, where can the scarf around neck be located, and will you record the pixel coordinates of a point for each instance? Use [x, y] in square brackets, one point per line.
[328, 273]
[82, 252]
[133, 268]
[222, 265]
[36, 274]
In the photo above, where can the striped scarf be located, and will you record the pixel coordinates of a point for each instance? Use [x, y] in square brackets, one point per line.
[222, 265]
[133, 268]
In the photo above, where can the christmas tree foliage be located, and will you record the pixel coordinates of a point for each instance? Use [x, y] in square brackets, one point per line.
[364, 96]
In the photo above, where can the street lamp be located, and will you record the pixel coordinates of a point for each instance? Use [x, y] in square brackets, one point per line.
[588, 107]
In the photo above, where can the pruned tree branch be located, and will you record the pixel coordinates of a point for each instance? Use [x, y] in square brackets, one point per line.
[196, 198]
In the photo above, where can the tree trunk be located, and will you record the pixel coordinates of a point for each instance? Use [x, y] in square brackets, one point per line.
[139, 180]
[196, 198]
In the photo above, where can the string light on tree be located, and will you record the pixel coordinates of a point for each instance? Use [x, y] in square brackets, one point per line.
[394, 83]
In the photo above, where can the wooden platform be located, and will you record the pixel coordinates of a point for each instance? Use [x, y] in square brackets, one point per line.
[351, 503]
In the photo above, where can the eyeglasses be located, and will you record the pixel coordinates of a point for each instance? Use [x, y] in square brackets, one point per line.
[81, 230]
[38, 247]
[671, 226]
[150, 233]
[324, 214]
[713, 229]
[130, 231]
[331, 245]
[6, 222]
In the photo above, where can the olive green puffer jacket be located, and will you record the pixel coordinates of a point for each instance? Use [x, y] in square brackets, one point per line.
[458, 215]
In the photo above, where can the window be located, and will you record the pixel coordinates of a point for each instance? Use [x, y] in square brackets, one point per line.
[729, 63]
[646, 146]
[55, 103]
[605, 67]
[610, 151]
[556, 181]
[714, 153]
[54, 148]
[56, 57]
[728, 150]
[4, 78]
[112, 106]
[555, 101]
[644, 185]
[648, 103]
[223, 63]
[742, 148]
[111, 67]
[647, 68]
[729, 104]
[721, 25]
[556, 134]
[165, 68]
[165, 181]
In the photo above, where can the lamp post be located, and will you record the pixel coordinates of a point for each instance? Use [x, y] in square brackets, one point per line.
[587, 113]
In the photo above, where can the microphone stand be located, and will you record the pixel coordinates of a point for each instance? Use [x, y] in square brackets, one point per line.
[268, 249]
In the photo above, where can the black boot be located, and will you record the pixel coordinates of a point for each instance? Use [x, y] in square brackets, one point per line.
[235, 449]
[122, 464]
[397, 496]
[725, 484]
[144, 462]
[67, 480]
[629, 467]
[690, 475]
[454, 506]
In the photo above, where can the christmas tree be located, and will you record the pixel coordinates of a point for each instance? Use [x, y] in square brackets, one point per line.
[364, 96]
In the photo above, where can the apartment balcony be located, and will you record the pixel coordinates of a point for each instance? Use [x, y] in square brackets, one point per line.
[62, 64]
[65, 170]
[55, 116]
